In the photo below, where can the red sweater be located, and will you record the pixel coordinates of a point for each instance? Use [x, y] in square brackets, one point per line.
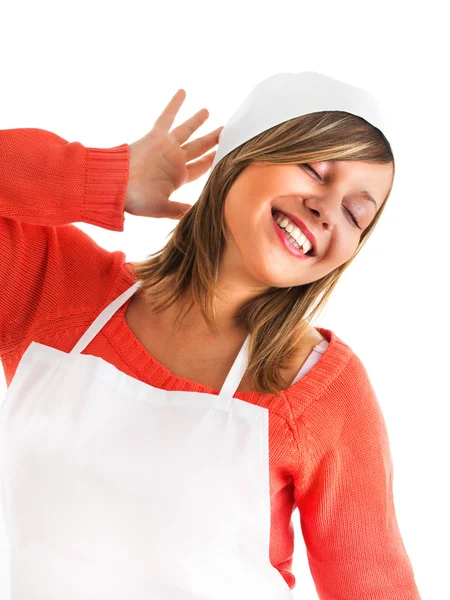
[329, 448]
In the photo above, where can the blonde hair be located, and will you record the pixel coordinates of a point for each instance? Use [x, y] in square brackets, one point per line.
[279, 319]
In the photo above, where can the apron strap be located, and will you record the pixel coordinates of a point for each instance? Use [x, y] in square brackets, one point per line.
[102, 319]
[236, 373]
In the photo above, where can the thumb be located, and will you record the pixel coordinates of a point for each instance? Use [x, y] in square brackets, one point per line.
[176, 210]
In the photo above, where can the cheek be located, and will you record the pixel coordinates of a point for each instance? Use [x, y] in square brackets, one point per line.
[244, 219]
[246, 236]
[253, 242]
[341, 250]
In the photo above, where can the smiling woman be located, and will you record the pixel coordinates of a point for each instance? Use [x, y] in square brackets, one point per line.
[131, 442]
[234, 262]
[232, 223]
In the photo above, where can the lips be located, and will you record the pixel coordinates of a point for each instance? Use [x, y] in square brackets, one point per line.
[301, 226]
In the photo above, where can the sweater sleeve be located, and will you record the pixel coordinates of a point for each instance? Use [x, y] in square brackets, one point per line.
[344, 492]
[46, 184]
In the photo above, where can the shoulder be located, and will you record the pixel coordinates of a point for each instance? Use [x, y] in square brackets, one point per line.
[349, 399]
[337, 385]
[345, 407]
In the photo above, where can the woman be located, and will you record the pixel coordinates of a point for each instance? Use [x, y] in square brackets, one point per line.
[163, 419]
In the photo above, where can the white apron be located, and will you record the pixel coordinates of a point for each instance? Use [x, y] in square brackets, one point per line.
[113, 489]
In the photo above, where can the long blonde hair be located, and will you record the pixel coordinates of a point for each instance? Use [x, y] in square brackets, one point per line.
[279, 319]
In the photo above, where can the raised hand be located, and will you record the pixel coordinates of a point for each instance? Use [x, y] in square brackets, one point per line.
[159, 162]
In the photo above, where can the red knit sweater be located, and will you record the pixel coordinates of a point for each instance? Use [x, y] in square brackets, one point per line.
[329, 448]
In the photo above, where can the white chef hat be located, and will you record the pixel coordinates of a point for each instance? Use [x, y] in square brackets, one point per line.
[285, 96]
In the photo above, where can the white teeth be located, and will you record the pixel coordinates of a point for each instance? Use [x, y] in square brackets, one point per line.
[296, 236]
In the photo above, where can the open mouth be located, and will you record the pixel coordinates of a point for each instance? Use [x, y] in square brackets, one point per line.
[290, 240]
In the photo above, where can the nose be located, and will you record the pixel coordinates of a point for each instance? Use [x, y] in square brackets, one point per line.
[323, 212]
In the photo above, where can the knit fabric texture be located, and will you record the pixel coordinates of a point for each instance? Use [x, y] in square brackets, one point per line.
[329, 451]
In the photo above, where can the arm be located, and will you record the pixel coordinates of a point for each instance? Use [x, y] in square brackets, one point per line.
[345, 497]
[45, 180]
[47, 183]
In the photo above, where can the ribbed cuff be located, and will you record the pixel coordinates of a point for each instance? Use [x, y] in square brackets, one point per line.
[106, 181]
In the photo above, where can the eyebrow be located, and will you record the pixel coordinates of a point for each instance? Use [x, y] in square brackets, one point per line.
[365, 194]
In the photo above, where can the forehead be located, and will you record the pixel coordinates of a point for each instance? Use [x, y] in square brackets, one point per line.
[361, 167]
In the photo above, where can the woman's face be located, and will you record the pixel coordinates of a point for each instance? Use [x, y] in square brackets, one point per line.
[323, 203]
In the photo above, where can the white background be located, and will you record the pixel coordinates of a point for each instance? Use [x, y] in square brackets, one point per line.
[101, 72]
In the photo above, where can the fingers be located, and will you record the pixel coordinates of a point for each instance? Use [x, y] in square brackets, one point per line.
[198, 147]
[199, 167]
[184, 131]
[167, 117]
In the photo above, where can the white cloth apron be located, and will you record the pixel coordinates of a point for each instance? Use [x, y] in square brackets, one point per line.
[113, 489]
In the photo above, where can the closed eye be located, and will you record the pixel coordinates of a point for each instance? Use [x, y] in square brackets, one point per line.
[352, 216]
[308, 166]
